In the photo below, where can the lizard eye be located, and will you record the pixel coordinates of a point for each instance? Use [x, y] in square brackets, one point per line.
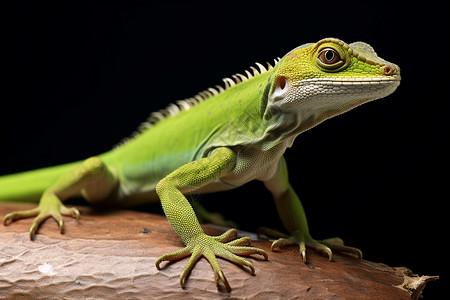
[329, 57]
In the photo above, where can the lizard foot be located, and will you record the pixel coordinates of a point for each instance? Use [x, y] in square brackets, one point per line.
[49, 207]
[225, 246]
[326, 246]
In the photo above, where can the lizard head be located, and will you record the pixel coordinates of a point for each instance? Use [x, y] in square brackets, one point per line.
[321, 80]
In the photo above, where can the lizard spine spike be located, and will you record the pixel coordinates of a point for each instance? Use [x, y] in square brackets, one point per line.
[228, 82]
[249, 75]
[241, 77]
[255, 72]
[213, 91]
[262, 69]
[236, 79]
[220, 88]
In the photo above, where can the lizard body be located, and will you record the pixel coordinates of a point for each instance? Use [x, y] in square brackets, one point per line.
[218, 140]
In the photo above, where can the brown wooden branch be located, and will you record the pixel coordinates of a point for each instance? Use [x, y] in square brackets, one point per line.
[110, 255]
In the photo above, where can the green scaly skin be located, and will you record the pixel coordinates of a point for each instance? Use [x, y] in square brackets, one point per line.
[219, 140]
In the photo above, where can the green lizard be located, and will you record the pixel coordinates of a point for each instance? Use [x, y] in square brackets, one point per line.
[219, 140]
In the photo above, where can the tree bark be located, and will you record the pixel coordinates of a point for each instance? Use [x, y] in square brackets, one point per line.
[112, 254]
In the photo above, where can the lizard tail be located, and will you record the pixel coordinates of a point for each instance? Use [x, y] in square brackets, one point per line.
[28, 186]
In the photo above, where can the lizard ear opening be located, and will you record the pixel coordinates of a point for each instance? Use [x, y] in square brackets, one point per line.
[282, 81]
[279, 88]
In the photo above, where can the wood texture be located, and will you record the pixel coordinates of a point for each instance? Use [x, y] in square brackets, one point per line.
[112, 254]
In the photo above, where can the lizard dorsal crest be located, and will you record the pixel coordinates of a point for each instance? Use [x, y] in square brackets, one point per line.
[185, 104]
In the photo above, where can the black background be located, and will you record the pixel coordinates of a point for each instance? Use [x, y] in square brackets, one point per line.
[77, 77]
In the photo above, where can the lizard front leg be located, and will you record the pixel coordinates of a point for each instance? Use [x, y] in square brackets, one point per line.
[184, 221]
[293, 217]
[92, 179]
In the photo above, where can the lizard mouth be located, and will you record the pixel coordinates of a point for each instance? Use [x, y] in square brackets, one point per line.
[359, 87]
[336, 94]
[330, 91]
[366, 81]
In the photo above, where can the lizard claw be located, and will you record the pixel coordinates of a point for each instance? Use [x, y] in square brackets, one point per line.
[222, 277]
[337, 245]
[283, 242]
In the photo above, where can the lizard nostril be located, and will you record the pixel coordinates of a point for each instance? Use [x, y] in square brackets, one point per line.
[387, 70]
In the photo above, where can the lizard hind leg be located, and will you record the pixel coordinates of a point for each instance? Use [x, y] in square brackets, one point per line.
[92, 179]
[102, 180]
